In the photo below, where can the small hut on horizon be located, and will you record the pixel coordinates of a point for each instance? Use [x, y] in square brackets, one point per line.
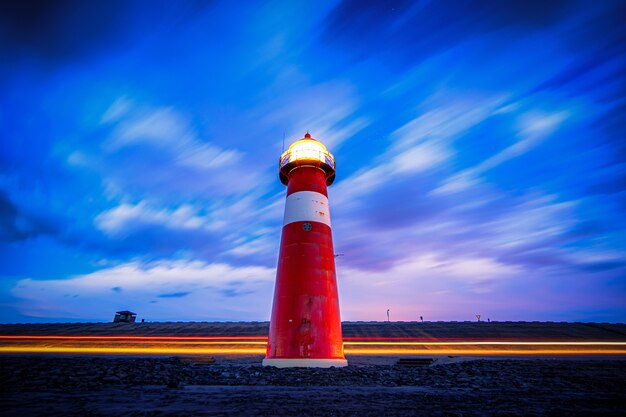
[124, 316]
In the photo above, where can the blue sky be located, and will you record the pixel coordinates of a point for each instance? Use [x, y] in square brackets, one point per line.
[480, 149]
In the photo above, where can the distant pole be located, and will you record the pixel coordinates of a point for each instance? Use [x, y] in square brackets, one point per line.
[422, 319]
[387, 314]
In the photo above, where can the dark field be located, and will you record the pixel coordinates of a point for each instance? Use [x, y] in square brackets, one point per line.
[457, 385]
[429, 329]
[99, 386]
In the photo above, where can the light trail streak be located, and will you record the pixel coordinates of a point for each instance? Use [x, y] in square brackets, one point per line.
[484, 352]
[490, 342]
[129, 350]
[168, 342]
[242, 345]
[134, 337]
[134, 350]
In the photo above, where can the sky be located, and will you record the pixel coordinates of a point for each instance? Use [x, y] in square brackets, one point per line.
[480, 150]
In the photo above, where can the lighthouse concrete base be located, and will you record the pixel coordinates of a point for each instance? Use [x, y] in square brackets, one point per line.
[304, 363]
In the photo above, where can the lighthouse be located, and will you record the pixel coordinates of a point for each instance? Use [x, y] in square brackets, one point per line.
[305, 327]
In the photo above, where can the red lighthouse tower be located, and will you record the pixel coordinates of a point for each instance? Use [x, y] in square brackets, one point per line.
[305, 328]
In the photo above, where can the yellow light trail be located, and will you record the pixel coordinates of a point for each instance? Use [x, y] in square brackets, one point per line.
[128, 350]
[242, 345]
[167, 342]
[350, 351]
[476, 343]
[491, 342]
[109, 337]
[424, 343]
[484, 352]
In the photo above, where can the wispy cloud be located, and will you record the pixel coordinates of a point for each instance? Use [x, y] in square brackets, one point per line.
[466, 180]
[328, 110]
[179, 294]
[421, 146]
[153, 291]
[533, 128]
[426, 284]
[125, 218]
[144, 138]
[167, 130]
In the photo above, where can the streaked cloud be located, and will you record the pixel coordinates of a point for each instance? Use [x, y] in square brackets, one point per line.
[480, 162]
[152, 290]
[124, 218]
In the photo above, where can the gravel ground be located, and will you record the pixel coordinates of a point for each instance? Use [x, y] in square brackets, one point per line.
[97, 386]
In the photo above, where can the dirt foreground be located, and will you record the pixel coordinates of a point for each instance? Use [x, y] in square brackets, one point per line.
[175, 386]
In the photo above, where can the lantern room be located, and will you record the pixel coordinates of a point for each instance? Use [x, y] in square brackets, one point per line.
[307, 152]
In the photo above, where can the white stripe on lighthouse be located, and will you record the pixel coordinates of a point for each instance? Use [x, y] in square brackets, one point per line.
[307, 206]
